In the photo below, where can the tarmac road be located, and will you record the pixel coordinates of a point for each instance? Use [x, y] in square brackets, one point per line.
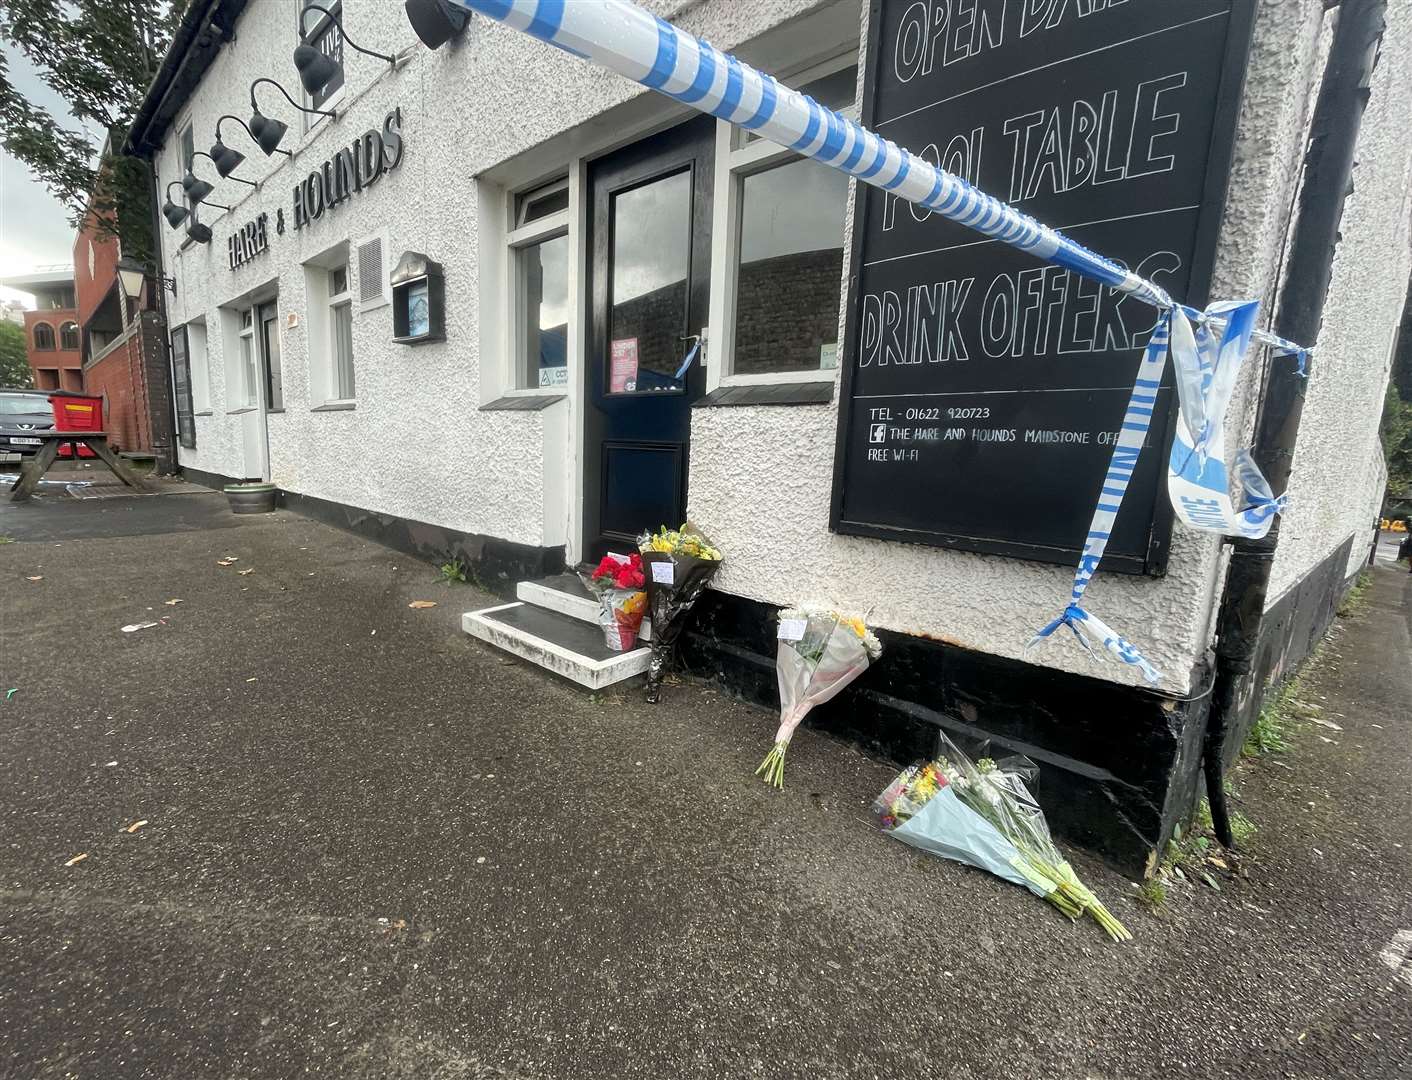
[375, 848]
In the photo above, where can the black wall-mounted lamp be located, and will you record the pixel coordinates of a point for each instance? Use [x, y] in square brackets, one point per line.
[227, 158]
[132, 272]
[196, 188]
[266, 130]
[174, 214]
[316, 68]
[435, 22]
[198, 232]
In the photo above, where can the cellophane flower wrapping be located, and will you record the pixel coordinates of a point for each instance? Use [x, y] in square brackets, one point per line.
[819, 653]
[982, 813]
[617, 581]
[678, 564]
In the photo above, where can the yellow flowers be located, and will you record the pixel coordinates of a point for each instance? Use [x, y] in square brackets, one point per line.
[683, 541]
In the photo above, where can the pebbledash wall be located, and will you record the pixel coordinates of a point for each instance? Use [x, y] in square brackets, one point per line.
[496, 112]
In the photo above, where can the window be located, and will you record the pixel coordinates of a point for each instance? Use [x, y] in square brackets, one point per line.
[249, 362]
[181, 388]
[329, 296]
[68, 336]
[319, 31]
[43, 337]
[46, 378]
[777, 258]
[199, 365]
[340, 303]
[539, 286]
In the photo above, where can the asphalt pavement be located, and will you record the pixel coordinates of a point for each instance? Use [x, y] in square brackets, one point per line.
[374, 847]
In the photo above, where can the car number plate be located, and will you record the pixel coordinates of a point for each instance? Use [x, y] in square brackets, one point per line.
[18, 441]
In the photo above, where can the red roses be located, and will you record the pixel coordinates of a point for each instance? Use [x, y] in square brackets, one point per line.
[624, 572]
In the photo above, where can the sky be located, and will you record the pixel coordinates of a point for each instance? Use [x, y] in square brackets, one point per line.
[34, 227]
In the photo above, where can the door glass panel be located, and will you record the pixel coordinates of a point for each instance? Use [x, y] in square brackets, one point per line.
[274, 378]
[651, 230]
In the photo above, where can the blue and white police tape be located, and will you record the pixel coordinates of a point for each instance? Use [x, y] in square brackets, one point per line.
[625, 38]
[1207, 360]
[1088, 628]
[1121, 466]
[1207, 363]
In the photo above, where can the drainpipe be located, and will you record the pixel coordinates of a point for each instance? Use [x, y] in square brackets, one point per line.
[1328, 173]
[162, 420]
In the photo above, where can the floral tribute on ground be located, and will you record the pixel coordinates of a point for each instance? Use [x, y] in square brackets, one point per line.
[819, 653]
[679, 564]
[982, 814]
[617, 581]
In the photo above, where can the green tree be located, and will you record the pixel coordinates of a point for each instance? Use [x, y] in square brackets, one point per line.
[14, 368]
[99, 56]
[1397, 444]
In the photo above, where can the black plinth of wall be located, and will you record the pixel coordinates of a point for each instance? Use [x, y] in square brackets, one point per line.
[1119, 766]
[1293, 625]
[498, 565]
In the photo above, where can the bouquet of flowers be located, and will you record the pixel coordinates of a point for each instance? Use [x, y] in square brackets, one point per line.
[679, 564]
[617, 582]
[820, 652]
[983, 814]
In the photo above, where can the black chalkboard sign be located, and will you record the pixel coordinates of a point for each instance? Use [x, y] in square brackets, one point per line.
[982, 388]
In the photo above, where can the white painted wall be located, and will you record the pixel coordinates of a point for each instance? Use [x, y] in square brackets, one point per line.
[507, 110]
[1336, 489]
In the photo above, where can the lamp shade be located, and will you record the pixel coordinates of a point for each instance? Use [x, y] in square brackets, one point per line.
[174, 214]
[196, 188]
[198, 232]
[315, 68]
[268, 132]
[130, 276]
[435, 22]
[227, 160]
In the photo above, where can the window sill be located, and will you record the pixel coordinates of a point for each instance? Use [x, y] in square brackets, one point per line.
[275, 412]
[241, 411]
[522, 403]
[789, 393]
[203, 412]
[335, 406]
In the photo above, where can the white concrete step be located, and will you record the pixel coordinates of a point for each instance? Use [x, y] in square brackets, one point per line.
[556, 642]
[568, 595]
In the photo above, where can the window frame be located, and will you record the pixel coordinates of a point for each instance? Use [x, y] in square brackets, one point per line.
[517, 238]
[64, 329]
[34, 337]
[199, 365]
[334, 303]
[738, 157]
[249, 361]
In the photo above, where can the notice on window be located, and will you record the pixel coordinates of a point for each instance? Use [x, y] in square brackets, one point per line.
[622, 366]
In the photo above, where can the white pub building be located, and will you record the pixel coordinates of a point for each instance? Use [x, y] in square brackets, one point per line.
[477, 298]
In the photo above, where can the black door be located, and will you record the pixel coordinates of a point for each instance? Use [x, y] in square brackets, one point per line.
[650, 228]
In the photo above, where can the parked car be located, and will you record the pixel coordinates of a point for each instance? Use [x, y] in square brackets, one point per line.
[22, 413]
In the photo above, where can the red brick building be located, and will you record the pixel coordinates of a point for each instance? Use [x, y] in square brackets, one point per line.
[52, 343]
[123, 354]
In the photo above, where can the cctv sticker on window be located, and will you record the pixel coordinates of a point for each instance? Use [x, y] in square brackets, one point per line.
[664, 573]
[792, 629]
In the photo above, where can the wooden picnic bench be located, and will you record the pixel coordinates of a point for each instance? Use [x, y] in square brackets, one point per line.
[31, 472]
